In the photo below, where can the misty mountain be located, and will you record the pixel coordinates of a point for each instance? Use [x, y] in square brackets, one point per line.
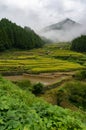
[63, 25]
[65, 30]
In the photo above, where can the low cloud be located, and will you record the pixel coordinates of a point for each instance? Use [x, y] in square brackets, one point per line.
[40, 13]
[65, 34]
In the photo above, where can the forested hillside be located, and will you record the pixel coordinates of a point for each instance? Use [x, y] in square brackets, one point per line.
[14, 36]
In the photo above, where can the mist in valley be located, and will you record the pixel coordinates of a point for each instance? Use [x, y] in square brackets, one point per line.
[65, 34]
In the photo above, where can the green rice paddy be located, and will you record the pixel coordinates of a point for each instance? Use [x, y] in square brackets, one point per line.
[47, 59]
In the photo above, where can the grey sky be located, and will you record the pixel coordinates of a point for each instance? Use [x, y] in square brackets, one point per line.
[40, 13]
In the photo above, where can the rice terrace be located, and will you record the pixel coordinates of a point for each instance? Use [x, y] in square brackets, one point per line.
[47, 63]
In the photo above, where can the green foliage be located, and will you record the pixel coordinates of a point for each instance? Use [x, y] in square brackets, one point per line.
[37, 88]
[80, 75]
[79, 44]
[21, 110]
[73, 92]
[14, 36]
[24, 84]
[21, 62]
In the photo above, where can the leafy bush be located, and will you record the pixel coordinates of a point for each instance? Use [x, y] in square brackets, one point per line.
[37, 88]
[24, 84]
[80, 75]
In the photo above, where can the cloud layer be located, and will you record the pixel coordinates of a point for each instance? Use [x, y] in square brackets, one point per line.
[40, 13]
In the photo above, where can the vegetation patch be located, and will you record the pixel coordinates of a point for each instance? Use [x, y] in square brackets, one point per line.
[80, 75]
[79, 44]
[73, 93]
[21, 110]
[46, 59]
[28, 86]
[40, 64]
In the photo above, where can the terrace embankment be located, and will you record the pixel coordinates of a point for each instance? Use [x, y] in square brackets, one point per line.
[45, 78]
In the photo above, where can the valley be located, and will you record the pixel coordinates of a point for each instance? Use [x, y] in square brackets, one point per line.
[42, 85]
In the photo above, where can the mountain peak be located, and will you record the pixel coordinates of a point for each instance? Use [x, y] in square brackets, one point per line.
[65, 24]
[69, 20]
[65, 30]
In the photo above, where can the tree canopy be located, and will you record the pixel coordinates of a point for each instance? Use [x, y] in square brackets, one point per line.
[14, 36]
[79, 44]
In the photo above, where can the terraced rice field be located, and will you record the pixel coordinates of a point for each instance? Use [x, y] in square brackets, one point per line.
[47, 59]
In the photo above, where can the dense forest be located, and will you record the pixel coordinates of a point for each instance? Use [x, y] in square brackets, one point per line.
[14, 36]
[79, 44]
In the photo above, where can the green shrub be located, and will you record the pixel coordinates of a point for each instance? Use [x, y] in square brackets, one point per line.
[80, 75]
[37, 88]
[24, 84]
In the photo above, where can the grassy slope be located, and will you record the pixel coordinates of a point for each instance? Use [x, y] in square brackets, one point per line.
[72, 93]
[69, 94]
[20, 110]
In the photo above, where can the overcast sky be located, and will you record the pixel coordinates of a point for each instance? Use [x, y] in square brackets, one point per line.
[40, 13]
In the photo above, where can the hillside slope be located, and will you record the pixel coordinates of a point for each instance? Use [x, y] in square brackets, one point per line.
[20, 110]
